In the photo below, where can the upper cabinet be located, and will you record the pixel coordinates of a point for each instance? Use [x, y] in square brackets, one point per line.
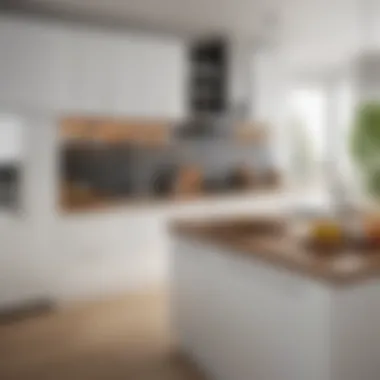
[90, 73]
[32, 67]
[73, 69]
[150, 77]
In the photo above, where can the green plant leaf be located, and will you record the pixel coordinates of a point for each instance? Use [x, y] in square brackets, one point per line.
[365, 144]
[366, 134]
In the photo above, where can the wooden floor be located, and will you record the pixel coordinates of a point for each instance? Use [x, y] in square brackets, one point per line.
[124, 338]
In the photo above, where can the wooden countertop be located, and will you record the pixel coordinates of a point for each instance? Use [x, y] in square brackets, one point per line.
[270, 239]
[73, 202]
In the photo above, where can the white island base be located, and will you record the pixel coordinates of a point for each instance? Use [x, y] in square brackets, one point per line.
[241, 318]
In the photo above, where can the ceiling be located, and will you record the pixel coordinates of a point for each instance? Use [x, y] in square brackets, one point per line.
[239, 18]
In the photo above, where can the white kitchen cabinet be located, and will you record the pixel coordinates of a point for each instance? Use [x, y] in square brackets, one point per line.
[89, 72]
[74, 69]
[127, 75]
[53, 67]
[148, 77]
[241, 317]
[32, 68]
[163, 78]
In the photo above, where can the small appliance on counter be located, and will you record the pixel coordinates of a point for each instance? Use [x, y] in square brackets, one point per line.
[241, 178]
[189, 181]
[163, 181]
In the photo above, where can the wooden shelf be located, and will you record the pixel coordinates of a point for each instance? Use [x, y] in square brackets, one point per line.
[152, 133]
[108, 130]
[249, 133]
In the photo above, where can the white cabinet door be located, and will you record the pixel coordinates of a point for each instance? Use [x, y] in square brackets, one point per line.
[82, 70]
[127, 77]
[7, 77]
[33, 70]
[163, 78]
[90, 82]
[22, 50]
[149, 77]
[166, 73]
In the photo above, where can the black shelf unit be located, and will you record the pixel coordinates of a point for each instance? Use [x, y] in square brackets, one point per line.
[208, 76]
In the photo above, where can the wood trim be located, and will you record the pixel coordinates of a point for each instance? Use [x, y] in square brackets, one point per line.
[109, 130]
[249, 133]
[150, 132]
[189, 182]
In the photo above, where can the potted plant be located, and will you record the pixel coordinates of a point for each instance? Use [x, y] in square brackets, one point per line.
[365, 146]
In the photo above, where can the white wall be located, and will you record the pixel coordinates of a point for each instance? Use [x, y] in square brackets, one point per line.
[11, 138]
[270, 80]
[318, 35]
[240, 82]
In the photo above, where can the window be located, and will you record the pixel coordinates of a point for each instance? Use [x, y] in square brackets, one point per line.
[320, 116]
[307, 131]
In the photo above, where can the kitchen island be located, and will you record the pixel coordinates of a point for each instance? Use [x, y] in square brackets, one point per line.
[251, 302]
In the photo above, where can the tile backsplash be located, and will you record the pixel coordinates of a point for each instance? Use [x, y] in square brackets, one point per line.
[126, 169]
